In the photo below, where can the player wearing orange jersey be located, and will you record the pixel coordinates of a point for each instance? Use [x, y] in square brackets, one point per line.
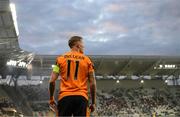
[75, 70]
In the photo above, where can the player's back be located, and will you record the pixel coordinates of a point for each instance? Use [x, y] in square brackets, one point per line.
[74, 69]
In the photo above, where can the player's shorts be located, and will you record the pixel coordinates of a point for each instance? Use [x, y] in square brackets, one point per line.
[72, 105]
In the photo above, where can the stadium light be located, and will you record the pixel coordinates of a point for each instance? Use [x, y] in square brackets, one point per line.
[52, 66]
[160, 66]
[40, 81]
[142, 81]
[11, 63]
[14, 16]
[16, 63]
[22, 64]
[166, 66]
[170, 66]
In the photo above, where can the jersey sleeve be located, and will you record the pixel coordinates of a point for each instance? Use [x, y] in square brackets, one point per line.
[90, 65]
[56, 67]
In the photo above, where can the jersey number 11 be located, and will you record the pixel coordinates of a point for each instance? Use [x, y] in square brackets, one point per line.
[69, 67]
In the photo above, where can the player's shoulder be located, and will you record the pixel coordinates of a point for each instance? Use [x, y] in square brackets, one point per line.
[59, 56]
[62, 55]
[88, 58]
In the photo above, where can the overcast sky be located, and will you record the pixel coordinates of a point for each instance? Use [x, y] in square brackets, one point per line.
[109, 27]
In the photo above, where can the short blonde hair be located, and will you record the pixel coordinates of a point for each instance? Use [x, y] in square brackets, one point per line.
[72, 41]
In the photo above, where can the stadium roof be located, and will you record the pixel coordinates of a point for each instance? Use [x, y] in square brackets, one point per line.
[123, 65]
[138, 65]
[9, 46]
[8, 35]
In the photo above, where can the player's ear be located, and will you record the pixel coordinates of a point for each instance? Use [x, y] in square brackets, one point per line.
[78, 46]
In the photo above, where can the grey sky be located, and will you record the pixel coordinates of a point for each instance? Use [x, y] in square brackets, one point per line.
[109, 27]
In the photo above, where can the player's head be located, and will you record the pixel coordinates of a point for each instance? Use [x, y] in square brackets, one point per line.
[76, 43]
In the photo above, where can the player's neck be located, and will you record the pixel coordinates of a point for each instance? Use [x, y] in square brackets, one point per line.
[74, 50]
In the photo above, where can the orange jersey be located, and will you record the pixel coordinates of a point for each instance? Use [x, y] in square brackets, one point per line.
[74, 68]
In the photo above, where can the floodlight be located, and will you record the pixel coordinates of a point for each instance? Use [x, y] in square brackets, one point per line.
[142, 81]
[14, 16]
[52, 66]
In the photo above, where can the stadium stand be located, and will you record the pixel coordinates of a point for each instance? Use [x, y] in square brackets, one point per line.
[138, 101]
[119, 101]
[18, 99]
[7, 106]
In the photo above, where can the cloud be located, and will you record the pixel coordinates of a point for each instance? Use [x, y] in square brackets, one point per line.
[110, 26]
[139, 27]
[114, 8]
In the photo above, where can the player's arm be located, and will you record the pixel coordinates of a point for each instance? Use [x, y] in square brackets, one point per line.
[54, 76]
[92, 82]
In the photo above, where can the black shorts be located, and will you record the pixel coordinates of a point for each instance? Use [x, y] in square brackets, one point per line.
[72, 105]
